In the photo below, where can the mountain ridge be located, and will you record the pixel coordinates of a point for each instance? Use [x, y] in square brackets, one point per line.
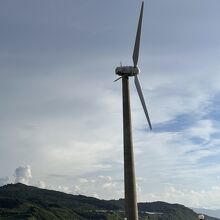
[21, 202]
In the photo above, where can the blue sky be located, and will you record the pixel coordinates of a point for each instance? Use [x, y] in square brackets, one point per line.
[61, 113]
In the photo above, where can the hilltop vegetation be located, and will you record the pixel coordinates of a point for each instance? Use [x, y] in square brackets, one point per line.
[21, 202]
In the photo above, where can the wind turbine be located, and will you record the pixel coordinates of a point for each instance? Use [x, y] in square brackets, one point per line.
[131, 211]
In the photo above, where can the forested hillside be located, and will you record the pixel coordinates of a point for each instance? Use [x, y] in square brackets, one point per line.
[21, 202]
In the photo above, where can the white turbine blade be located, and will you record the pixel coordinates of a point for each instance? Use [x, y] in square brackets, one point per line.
[138, 87]
[138, 38]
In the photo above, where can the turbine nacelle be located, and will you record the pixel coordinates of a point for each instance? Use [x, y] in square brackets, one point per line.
[127, 71]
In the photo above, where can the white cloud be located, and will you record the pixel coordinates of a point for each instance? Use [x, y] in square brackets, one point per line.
[83, 180]
[41, 184]
[106, 178]
[203, 129]
[110, 185]
[23, 174]
[192, 198]
[4, 181]
[96, 195]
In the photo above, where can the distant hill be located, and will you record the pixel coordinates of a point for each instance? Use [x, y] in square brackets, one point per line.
[213, 213]
[21, 202]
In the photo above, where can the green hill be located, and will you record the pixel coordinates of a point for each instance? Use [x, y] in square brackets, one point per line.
[21, 202]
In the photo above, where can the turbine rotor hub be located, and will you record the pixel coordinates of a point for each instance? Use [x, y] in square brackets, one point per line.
[127, 71]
